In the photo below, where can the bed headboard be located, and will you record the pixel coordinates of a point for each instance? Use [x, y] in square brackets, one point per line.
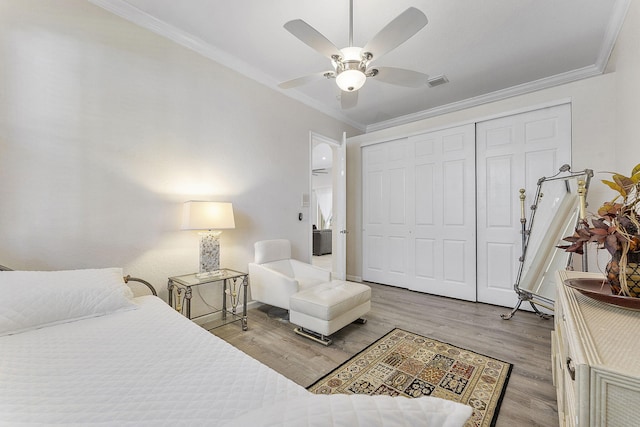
[128, 279]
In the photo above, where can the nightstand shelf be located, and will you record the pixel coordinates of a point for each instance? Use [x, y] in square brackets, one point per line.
[233, 283]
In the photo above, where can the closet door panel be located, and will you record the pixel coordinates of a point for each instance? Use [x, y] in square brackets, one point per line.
[397, 197]
[424, 194]
[425, 250]
[454, 195]
[385, 228]
[513, 152]
[397, 255]
[425, 189]
[500, 273]
[445, 213]
[374, 213]
[498, 192]
[454, 252]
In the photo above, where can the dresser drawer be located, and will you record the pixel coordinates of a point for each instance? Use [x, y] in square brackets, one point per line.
[615, 398]
[566, 375]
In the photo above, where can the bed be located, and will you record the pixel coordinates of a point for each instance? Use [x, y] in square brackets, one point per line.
[76, 348]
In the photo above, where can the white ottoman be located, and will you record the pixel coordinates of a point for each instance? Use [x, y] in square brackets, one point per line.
[323, 309]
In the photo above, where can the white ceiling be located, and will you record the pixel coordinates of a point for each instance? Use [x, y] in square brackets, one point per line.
[488, 49]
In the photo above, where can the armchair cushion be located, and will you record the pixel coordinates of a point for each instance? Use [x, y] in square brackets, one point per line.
[270, 286]
[282, 266]
[275, 276]
[272, 250]
[308, 275]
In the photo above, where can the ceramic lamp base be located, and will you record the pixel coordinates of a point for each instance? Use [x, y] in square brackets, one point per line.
[209, 252]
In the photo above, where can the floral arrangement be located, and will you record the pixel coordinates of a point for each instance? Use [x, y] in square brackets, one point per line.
[616, 229]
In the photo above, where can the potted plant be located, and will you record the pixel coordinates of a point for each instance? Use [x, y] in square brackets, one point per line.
[616, 229]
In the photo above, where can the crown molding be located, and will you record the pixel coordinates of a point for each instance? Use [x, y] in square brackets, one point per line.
[142, 19]
[131, 13]
[547, 82]
[613, 29]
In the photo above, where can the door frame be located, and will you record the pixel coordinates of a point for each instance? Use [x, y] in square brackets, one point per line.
[338, 235]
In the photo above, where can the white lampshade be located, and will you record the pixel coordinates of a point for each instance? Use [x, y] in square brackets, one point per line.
[198, 215]
[351, 80]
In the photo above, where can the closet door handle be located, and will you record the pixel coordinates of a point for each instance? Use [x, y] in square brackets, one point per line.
[571, 369]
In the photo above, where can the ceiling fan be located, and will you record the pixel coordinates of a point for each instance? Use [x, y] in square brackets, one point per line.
[351, 65]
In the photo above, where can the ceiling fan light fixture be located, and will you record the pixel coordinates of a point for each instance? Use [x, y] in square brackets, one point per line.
[351, 80]
[351, 64]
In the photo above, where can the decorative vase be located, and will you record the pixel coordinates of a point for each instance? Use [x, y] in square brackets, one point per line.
[631, 272]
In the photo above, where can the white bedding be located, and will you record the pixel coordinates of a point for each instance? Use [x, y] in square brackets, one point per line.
[152, 366]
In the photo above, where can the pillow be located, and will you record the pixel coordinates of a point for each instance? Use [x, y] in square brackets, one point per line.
[35, 299]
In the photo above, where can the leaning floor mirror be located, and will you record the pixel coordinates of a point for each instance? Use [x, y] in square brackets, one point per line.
[559, 204]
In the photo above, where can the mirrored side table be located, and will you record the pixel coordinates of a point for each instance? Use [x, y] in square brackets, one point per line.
[233, 283]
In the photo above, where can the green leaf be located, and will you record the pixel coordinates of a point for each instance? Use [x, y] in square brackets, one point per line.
[614, 186]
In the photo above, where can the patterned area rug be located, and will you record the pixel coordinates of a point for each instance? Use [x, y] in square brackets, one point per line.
[406, 364]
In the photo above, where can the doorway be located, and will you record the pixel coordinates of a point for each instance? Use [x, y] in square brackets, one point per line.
[327, 210]
[322, 204]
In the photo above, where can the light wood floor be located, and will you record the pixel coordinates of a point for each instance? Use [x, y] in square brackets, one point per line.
[322, 261]
[524, 340]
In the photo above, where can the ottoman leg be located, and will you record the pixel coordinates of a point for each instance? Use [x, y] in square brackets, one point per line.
[313, 336]
[360, 321]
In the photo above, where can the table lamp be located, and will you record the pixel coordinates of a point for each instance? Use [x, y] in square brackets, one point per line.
[211, 218]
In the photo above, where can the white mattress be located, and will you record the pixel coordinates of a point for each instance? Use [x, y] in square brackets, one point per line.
[149, 366]
[153, 367]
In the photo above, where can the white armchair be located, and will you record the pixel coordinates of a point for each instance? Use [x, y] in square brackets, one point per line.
[275, 276]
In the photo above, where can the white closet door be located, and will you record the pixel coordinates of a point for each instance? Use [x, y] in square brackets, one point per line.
[386, 229]
[513, 152]
[443, 252]
[418, 213]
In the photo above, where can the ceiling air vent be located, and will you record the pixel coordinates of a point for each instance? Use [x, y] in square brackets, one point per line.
[437, 81]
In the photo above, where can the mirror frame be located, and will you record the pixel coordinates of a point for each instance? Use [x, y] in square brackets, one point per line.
[534, 268]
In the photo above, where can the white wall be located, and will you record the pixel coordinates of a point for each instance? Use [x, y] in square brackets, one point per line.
[106, 128]
[593, 126]
[625, 61]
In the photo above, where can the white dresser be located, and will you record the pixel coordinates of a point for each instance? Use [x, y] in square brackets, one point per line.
[595, 359]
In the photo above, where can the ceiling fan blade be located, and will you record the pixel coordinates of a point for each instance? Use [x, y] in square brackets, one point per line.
[348, 99]
[400, 77]
[398, 31]
[311, 37]
[289, 84]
